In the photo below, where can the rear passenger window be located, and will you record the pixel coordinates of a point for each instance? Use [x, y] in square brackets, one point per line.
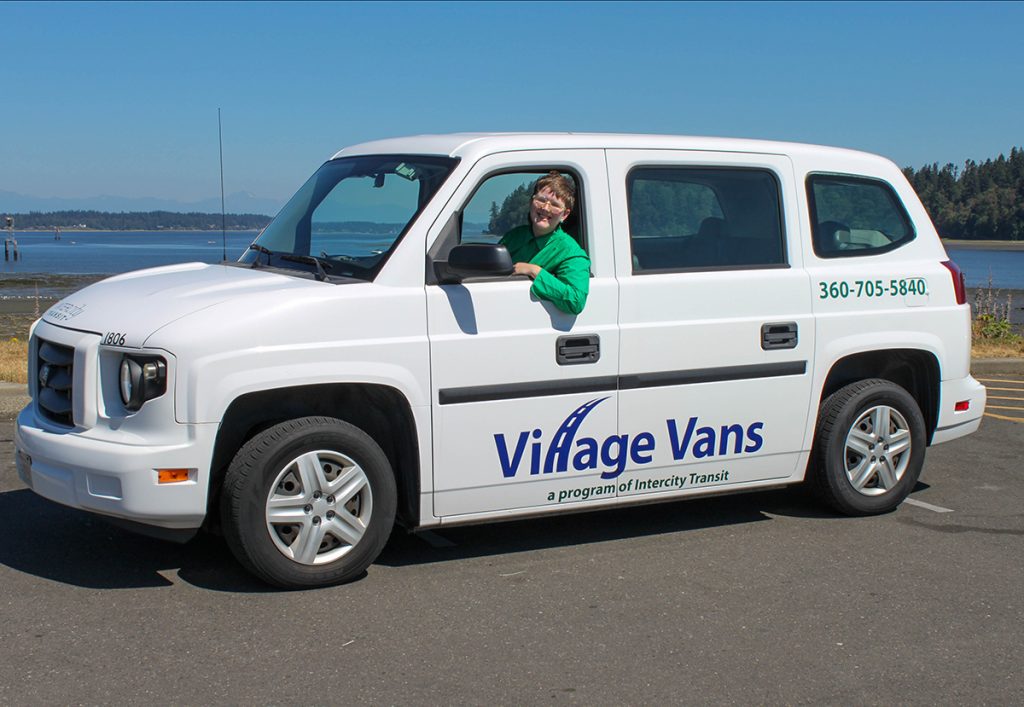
[703, 218]
[853, 216]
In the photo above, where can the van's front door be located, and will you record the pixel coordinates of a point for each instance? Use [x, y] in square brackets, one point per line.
[514, 410]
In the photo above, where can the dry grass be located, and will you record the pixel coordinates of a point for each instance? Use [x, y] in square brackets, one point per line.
[997, 348]
[993, 332]
[14, 360]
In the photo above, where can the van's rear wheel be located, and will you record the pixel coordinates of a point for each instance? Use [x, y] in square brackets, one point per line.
[308, 503]
[869, 447]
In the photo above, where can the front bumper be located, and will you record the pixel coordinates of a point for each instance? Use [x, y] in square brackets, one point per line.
[95, 472]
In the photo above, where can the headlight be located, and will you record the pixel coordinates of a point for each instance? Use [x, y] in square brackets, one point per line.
[142, 378]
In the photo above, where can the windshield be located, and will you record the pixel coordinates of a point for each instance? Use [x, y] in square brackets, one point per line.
[346, 220]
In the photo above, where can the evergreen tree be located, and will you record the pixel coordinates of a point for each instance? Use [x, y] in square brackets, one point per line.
[983, 201]
[514, 211]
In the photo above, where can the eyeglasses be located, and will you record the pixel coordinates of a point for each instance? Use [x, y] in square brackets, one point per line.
[547, 203]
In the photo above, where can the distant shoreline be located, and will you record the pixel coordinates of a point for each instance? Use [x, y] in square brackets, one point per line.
[134, 230]
[951, 242]
[983, 245]
[948, 242]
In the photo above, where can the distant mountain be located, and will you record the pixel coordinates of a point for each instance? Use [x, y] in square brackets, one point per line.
[239, 203]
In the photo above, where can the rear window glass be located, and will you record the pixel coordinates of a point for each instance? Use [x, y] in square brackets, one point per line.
[855, 216]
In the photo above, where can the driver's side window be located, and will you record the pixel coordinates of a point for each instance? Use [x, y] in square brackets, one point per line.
[502, 202]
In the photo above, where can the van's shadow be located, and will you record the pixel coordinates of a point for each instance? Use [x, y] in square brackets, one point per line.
[597, 526]
[61, 544]
[51, 541]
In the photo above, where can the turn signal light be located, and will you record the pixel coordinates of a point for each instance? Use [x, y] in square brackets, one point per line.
[171, 476]
[962, 406]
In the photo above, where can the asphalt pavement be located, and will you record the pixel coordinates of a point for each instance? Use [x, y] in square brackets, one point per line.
[761, 598]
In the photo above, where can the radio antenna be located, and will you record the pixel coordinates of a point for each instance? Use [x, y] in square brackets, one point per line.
[223, 215]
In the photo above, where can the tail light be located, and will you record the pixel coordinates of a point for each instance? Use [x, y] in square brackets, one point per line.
[959, 284]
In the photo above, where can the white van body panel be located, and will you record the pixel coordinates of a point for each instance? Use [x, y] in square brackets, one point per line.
[684, 399]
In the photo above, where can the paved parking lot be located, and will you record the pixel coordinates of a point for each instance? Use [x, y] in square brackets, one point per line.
[1005, 397]
[763, 598]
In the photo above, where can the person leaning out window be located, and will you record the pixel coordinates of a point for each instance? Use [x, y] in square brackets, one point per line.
[541, 250]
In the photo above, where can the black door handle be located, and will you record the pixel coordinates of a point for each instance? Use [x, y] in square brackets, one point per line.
[570, 350]
[779, 335]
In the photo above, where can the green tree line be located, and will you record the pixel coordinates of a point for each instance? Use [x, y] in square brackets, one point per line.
[136, 221]
[978, 202]
[514, 211]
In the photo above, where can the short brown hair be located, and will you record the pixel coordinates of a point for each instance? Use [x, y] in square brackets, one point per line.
[562, 187]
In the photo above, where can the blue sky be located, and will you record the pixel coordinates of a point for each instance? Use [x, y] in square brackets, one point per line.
[121, 99]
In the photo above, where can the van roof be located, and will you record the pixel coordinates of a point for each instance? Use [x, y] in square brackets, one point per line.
[475, 145]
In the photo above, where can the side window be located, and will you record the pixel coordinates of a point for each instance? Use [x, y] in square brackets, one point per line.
[852, 216]
[502, 202]
[684, 218]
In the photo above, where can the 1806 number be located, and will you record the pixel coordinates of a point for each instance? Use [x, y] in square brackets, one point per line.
[113, 338]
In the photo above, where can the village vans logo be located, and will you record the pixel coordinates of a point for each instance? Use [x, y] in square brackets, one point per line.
[563, 450]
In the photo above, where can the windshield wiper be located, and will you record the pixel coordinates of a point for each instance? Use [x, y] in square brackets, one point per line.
[266, 251]
[321, 267]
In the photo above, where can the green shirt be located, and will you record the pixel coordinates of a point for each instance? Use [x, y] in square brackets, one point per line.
[564, 279]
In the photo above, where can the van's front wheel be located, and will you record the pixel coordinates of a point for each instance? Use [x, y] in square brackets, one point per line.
[869, 447]
[308, 503]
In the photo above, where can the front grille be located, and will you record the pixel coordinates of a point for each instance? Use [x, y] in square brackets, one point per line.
[55, 366]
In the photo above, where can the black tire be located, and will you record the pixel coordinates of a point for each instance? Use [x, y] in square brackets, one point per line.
[852, 473]
[332, 539]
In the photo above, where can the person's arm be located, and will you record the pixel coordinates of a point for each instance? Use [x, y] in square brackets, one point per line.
[567, 287]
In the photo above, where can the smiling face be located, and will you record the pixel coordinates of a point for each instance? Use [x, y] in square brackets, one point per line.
[546, 212]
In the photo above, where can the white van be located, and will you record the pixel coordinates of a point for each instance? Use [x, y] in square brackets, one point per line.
[759, 313]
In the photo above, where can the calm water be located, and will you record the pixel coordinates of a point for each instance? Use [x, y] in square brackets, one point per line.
[114, 252]
[1006, 267]
[56, 268]
[99, 252]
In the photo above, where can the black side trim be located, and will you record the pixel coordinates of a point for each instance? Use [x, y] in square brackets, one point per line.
[712, 375]
[482, 393]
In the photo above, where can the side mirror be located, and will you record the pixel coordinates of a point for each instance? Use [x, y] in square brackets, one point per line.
[474, 260]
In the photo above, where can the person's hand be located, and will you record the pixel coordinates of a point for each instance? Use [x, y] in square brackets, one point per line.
[528, 269]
